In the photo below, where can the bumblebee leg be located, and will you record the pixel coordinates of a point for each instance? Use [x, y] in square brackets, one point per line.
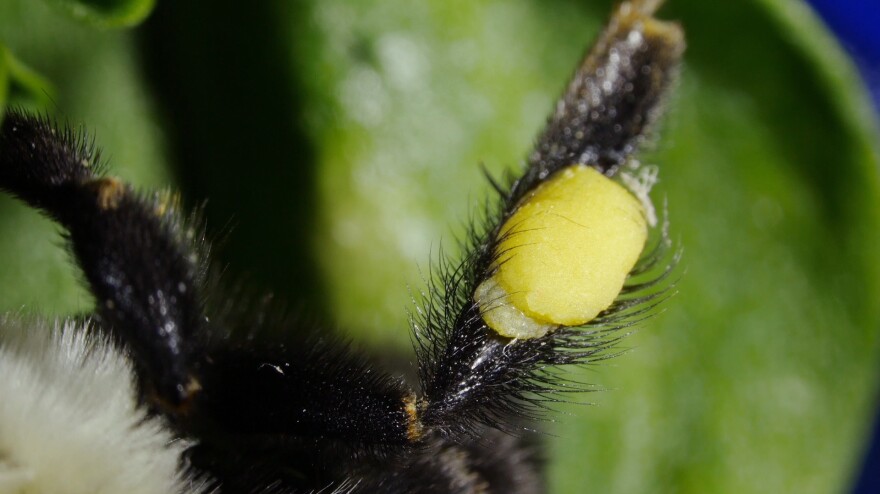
[135, 252]
[613, 98]
[315, 389]
[542, 285]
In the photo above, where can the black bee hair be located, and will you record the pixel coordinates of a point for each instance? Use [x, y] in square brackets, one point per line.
[244, 397]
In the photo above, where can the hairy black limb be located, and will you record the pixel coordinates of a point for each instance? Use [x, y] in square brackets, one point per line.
[612, 100]
[231, 382]
[135, 252]
[470, 375]
[319, 390]
[312, 410]
[499, 463]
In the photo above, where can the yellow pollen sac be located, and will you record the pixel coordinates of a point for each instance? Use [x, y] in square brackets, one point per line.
[564, 254]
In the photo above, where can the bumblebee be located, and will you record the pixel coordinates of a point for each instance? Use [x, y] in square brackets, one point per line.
[175, 385]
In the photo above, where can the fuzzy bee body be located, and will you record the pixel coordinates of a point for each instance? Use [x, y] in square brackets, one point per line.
[210, 396]
[70, 420]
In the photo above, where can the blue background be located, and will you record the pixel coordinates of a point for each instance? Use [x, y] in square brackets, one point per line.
[857, 25]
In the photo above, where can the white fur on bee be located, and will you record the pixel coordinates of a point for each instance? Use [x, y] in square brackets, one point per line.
[69, 420]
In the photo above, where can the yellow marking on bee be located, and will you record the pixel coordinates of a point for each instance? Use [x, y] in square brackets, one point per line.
[637, 15]
[192, 387]
[110, 191]
[668, 31]
[166, 201]
[563, 255]
[414, 429]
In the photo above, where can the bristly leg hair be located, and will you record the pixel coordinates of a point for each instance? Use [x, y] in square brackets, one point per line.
[140, 259]
[472, 377]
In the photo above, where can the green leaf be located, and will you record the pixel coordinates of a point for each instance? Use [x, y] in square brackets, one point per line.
[20, 85]
[4, 80]
[97, 85]
[107, 13]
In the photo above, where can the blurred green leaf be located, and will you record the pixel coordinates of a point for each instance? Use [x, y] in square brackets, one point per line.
[107, 13]
[19, 85]
[98, 86]
[4, 80]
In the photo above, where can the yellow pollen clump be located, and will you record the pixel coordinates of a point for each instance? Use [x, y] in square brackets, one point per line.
[109, 192]
[564, 254]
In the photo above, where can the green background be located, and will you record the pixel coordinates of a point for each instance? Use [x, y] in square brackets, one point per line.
[338, 145]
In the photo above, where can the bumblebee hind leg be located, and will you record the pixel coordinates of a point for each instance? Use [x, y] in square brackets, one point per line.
[139, 258]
